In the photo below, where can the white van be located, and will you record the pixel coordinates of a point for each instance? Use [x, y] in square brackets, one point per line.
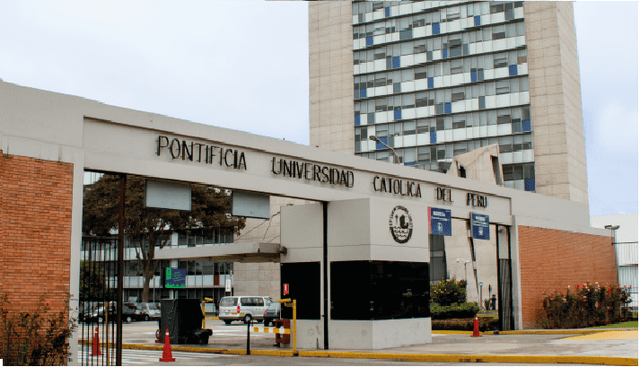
[243, 308]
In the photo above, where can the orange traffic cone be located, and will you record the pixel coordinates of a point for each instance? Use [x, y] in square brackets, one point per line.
[476, 328]
[96, 345]
[166, 349]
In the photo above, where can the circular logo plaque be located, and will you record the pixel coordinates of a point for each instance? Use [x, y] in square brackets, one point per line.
[400, 224]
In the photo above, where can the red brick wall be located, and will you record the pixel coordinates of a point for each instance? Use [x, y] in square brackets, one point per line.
[553, 259]
[35, 230]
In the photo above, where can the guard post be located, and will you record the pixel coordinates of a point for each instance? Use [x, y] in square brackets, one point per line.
[288, 302]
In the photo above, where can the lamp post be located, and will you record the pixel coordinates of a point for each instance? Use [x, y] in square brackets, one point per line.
[465, 266]
[613, 242]
[396, 159]
[613, 232]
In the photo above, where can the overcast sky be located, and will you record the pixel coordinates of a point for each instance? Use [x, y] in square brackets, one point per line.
[244, 65]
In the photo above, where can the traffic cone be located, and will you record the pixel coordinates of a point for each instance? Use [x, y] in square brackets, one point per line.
[476, 328]
[96, 345]
[166, 349]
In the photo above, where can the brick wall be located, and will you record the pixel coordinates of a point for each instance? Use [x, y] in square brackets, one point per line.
[553, 259]
[35, 230]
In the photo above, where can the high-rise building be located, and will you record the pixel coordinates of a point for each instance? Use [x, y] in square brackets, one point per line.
[434, 79]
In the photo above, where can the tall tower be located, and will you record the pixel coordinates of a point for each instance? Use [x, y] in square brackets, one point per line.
[434, 79]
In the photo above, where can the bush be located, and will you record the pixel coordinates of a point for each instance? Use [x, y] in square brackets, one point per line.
[448, 292]
[484, 324]
[34, 337]
[589, 305]
[454, 311]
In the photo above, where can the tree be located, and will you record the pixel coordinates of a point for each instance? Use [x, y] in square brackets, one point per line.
[143, 226]
[93, 286]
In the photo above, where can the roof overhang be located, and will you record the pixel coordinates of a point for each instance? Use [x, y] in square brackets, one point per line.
[236, 252]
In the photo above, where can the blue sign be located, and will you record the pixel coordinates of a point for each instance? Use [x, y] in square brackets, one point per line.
[480, 226]
[440, 221]
[175, 278]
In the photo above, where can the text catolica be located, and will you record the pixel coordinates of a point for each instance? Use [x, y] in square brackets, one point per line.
[397, 186]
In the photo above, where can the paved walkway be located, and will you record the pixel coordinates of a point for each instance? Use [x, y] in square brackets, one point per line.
[596, 346]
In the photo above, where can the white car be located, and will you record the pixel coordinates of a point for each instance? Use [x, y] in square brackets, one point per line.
[245, 308]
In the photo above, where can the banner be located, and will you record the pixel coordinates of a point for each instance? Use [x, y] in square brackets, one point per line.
[440, 221]
[480, 226]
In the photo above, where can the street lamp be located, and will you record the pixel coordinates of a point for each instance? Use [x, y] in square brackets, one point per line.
[465, 266]
[613, 232]
[613, 241]
[396, 159]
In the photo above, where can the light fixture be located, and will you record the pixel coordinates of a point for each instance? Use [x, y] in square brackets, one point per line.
[396, 159]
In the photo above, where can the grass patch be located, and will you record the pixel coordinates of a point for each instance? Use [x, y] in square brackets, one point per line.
[626, 324]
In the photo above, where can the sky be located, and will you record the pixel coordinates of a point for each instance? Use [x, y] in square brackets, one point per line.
[244, 65]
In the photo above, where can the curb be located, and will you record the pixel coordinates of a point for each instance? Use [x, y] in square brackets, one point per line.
[533, 332]
[450, 358]
[460, 358]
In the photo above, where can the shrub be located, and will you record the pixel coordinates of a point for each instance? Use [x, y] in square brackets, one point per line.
[34, 337]
[589, 305]
[484, 324]
[454, 311]
[448, 292]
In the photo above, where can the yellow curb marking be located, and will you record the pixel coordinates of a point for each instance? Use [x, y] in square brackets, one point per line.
[610, 335]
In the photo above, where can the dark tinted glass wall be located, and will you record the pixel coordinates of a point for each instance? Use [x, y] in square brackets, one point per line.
[379, 290]
[304, 287]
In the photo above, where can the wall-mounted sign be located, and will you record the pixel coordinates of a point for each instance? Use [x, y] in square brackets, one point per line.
[480, 226]
[475, 200]
[400, 224]
[202, 153]
[440, 221]
[312, 172]
[397, 186]
[175, 278]
[285, 289]
[443, 194]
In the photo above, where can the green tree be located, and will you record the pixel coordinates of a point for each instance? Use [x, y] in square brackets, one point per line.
[93, 286]
[210, 214]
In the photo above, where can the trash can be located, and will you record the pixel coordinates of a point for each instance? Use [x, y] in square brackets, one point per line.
[283, 338]
[183, 319]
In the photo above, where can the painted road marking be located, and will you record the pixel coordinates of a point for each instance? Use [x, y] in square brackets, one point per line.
[608, 335]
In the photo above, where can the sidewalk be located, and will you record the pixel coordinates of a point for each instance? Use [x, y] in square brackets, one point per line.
[596, 346]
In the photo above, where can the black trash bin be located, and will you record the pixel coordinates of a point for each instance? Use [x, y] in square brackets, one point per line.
[183, 318]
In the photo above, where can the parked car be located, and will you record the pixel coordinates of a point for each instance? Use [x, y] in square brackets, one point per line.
[149, 310]
[272, 313]
[97, 314]
[245, 308]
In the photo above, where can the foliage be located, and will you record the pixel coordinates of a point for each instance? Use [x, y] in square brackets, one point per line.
[466, 324]
[93, 286]
[143, 226]
[448, 292]
[588, 305]
[454, 311]
[35, 337]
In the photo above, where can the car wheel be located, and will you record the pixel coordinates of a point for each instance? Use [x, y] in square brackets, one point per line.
[247, 319]
[266, 322]
[128, 318]
[146, 317]
[100, 320]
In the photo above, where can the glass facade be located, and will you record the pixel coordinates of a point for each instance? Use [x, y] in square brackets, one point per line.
[436, 79]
